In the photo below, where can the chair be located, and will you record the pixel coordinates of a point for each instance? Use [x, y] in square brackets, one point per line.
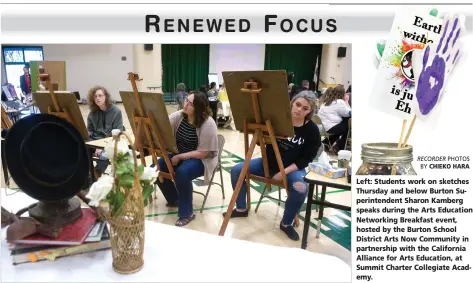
[279, 200]
[221, 143]
[323, 132]
[348, 141]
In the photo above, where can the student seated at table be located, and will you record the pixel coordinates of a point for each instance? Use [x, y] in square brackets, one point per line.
[296, 154]
[196, 137]
[104, 117]
[335, 113]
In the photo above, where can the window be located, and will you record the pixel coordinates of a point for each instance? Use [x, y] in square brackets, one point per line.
[15, 58]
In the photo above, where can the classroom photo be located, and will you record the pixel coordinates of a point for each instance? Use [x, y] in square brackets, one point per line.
[222, 152]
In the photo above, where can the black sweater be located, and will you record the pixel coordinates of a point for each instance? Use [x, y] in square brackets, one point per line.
[301, 149]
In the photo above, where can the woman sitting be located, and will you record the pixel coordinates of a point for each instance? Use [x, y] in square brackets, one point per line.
[104, 117]
[196, 138]
[212, 95]
[334, 113]
[181, 95]
[296, 153]
[224, 105]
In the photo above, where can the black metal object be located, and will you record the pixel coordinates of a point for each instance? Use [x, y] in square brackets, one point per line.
[4, 165]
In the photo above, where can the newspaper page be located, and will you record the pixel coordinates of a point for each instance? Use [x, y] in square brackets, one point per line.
[218, 139]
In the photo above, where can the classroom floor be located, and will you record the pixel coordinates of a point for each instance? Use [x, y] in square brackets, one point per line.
[261, 227]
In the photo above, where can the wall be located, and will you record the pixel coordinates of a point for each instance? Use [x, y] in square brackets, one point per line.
[87, 65]
[235, 57]
[347, 77]
[148, 66]
[334, 70]
[94, 64]
[222, 57]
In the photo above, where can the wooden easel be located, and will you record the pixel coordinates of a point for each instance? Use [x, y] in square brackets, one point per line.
[144, 122]
[6, 122]
[57, 109]
[263, 133]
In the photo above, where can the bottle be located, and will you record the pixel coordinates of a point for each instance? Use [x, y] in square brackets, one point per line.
[386, 159]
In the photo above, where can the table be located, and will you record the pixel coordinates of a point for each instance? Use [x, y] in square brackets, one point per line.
[100, 144]
[179, 254]
[103, 143]
[313, 179]
[13, 114]
[92, 146]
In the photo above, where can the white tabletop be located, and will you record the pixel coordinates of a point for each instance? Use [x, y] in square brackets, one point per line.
[312, 176]
[179, 254]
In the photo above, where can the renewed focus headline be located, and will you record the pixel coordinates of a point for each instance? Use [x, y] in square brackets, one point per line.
[154, 23]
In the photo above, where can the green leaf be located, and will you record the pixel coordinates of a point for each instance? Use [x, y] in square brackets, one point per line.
[141, 169]
[380, 48]
[121, 169]
[120, 158]
[130, 167]
[110, 198]
[120, 197]
[147, 191]
[119, 201]
[127, 181]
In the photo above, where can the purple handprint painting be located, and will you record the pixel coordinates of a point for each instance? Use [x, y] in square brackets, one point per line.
[436, 66]
[430, 83]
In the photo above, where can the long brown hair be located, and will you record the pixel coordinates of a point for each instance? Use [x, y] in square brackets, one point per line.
[337, 93]
[202, 109]
[91, 98]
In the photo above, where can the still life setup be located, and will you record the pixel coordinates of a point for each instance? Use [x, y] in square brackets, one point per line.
[47, 158]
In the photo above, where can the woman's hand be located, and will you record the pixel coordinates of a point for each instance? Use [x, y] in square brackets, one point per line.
[175, 160]
[97, 152]
[288, 170]
[277, 177]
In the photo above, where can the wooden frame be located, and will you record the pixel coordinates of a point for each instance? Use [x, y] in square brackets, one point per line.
[263, 129]
[151, 125]
[62, 104]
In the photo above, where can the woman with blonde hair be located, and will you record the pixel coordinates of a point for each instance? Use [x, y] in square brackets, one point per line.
[296, 153]
[334, 113]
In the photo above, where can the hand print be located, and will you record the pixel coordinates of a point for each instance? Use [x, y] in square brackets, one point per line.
[437, 63]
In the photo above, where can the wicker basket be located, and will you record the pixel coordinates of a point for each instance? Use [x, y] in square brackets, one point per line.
[127, 233]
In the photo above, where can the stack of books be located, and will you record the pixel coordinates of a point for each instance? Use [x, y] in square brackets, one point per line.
[83, 236]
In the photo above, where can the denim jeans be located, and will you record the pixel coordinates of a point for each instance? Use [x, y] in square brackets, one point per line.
[298, 189]
[185, 172]
[102, 156]
[102, 162]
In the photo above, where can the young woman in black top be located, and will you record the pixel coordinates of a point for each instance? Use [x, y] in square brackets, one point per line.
[296, 153]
